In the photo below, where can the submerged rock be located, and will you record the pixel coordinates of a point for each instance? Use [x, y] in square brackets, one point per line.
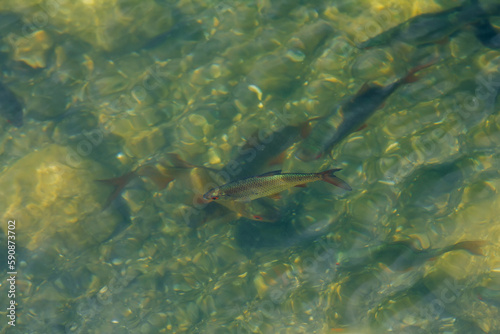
[51, 193]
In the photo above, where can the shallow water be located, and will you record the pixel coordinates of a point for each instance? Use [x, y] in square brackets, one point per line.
[113, 87]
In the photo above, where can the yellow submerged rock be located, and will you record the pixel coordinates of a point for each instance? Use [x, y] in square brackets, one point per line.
[48, 192]
[32, 49]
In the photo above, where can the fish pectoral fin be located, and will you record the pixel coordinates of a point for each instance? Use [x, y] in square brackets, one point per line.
[263, 219]
[303, 185]
[274, 172]
[275, 196]
[247, 211]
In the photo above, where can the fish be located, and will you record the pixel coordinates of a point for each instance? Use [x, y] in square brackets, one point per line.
[428, 28]
[10, 106]
[269, 184]
[197, 211]
[260, 152]
[353, 113]
[159, 171]
[403, 255]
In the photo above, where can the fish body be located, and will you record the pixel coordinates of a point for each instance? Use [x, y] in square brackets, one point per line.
[10, 107]
[428, 28]
[402, 255]
[353, 113]
[261, 152]
[268, 184]
[253, 157]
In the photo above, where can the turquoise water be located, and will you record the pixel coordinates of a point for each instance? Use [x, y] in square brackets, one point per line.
[187, 95]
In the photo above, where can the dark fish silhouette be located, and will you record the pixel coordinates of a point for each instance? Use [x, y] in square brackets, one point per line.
[259, 153]
[354, 112]
[161, 172]
[403, 255]
[428, 28]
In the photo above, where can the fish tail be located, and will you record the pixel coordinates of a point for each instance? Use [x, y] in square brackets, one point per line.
[328, 176]
[473, 247]
[411, 77]
[118, 183]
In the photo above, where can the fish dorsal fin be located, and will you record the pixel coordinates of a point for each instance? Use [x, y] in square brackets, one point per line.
[274, 172]
[276, 196]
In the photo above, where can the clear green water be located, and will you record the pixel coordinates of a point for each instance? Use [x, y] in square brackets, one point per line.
[112, 86]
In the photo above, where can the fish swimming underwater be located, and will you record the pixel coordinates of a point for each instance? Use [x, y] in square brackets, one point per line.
[429, 27]
[403, 255]
[268, 184]
[353, 113]
[261, 152]
[159, 171]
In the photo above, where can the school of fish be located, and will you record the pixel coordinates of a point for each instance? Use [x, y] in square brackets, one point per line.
[313, 142]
